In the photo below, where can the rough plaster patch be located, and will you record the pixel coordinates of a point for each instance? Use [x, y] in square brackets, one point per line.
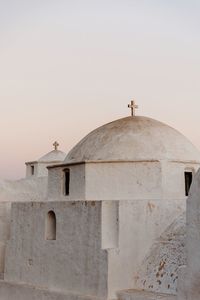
[159, 271]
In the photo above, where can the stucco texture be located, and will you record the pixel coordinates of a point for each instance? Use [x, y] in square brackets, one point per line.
[134, 138]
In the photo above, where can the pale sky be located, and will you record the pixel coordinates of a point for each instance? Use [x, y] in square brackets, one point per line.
[67, 67]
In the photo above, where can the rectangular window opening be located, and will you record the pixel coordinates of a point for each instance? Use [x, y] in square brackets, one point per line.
[32, 170]
[67, 181]
[188, 182]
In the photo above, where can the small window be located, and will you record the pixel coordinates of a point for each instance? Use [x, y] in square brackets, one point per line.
[50, 230]
[66, 181]
[188, 182]
[32, 170]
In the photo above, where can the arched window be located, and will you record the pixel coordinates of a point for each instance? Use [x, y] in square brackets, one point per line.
[50, 230]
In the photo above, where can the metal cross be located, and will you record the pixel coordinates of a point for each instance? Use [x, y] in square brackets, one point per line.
[56, 145]
[133, 107]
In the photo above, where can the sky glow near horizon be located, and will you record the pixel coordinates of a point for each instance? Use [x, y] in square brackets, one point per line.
[67, 67]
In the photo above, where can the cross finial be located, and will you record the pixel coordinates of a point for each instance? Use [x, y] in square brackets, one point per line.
[55, 144]
[133, 107]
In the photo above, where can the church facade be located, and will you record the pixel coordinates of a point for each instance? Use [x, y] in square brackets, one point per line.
[112, 221]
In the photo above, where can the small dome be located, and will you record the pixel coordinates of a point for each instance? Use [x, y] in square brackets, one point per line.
[53, 157]
[133, 139]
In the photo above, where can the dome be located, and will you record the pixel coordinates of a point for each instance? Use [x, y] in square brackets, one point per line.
[133, 139]
[53, 157]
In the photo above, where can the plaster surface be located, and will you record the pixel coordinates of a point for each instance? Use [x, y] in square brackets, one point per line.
[32, 189]
[142, 295]
[121, 227]
[12, 291]
[189, 288]
[155, 180]
[73, 262]
[159, 271]
[13, 191]
[141, 224]
[134, 138]
[40, 166]
[56, 183]
[53, 157]
[95, 240]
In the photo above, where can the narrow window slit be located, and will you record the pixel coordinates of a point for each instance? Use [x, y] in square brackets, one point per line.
[188, 182]
[66, 181]
[32, 170]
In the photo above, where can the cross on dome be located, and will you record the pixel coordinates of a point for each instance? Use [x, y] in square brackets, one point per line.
[55, 144]
[133, 106]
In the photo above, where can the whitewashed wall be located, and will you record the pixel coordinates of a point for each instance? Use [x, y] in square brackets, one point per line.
[77, 183]
[73, 262]
[120, 180]
[189, 287]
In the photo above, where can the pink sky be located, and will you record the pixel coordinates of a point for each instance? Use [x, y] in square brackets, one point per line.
[66, 68]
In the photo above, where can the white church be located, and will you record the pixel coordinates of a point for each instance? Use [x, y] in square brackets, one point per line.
[107, 220]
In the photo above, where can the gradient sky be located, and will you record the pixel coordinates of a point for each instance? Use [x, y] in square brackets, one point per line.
[67, 67]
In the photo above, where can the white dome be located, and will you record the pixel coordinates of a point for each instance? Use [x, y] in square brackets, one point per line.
[133, 139]
[53, 156]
